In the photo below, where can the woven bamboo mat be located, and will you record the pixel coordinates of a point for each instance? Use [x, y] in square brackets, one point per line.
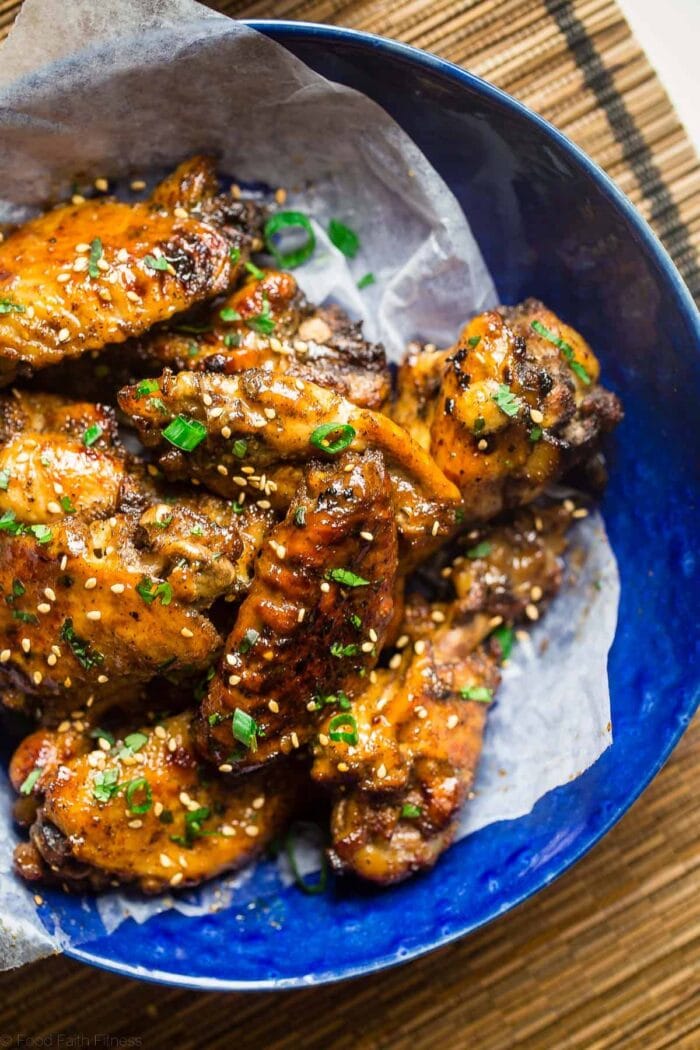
[610, 955]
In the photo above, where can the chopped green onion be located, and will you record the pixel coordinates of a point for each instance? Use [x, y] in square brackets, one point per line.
[227, 313]
[232, 340]
[24, 617]
[159, 262]
[410, 812]
[27, 785]
[166, 817]
[105, 784]
[366, 281]
[159, 404]
[18, 588]
[146, 386]
[344, 239]
[86, 656]
[508, 402]
[335, 732]
[185, 433]
[237, 507]
[149, 592]
[234, 255]
[566, 350]
[248, 640]
[240, 447]
[289, 220]
[482, 550]
[347, 578]
[480, 693]
[135, 787]
[474, 341]
[263, 323]
[300, 517]
[92, 434]
[505, 636]
[255, 271]
[535, 434]
[311, 888]
[94, 257]
[355, 620]
[66, 505]
[245, 729]
[345, 436]
[9, 523]
[162, 523]
[344, 650]
[135, 741]
[8, 306]
[4, 480]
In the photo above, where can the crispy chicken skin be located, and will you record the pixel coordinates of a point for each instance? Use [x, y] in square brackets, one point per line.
[267, 323]
[98, 608]
[400, 785]
[46, 464]
[316, 615]
[84, 275]
[509, 409]
[259, 430]
[145, 811]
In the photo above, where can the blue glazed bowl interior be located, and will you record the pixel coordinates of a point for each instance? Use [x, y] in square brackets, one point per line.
[550, 225]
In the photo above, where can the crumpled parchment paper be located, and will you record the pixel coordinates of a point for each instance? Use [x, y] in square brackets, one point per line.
[124, 87]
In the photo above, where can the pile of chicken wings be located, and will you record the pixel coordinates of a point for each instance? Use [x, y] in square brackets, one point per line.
[246, 573]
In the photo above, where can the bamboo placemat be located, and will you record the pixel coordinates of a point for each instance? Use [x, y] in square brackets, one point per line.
[610, 955]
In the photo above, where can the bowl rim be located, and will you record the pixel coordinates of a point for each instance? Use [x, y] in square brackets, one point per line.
[686, 306]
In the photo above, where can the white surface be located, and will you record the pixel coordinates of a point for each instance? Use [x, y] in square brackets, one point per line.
[669, 32]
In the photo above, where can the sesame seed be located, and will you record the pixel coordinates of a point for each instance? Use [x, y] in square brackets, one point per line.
[177, 878]
[133, 297]
[482, 445]
[248, 470]
[52, 659]
[494, 622]
[26, 645]
[180, 213]
[38, 900]
[436, 527]
[452, 721]
[37, 678]
[184, 798]
[43, 607]
[222, 469]
[421, 712]
[270, 413]
[325, 587]
[63, 278]
[101, 184]
[136, 823]
[395, 661]
[137, 184]
[373, 677]
[419, 647]
[532, 612]
[102, 679]
[569, 505]
[216, 412]
[402, 642]
[381, 771]
[77, 198]
[227, 831]
[366, 647]
[536, 593]
[234, 679]
[160, 732]
[581, 512]
[367, 536]
[64, 335]
[273, 706]
[342, 767]
[90, 583]
[231, 659]
[226, 432]
[238, 480]
[62, 565]
[437, 616]
[187, 633]
[373, 635]
[64, 727]
[165, 860]
[225, 767]
[252, 831]
[300, 615]
[295, 740]
[94, 614]
[117, 588]
[536, 416]
[264, 504]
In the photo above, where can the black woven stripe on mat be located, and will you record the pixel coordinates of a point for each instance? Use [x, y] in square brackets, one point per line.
[635, 149]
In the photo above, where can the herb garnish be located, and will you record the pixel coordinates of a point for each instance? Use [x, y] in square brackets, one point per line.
[346, 578]
[508, 402]
[92, 434]
[149, 592]
[482, 550]
[94, 258]
[289, 220]
[366, 281]
[320, 437]
[568, 351]
[86, 656]
[344, 239]
[185, 433]
[480, 693]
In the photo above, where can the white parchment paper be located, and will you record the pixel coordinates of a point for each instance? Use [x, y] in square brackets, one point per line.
[124, 87]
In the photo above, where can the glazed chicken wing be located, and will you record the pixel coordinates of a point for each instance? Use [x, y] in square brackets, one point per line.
[267, 323]
[84, 275]
[402, 775]
[141, 809]
[314, 619]
[251, 434]
[509, 409]
[58, 457]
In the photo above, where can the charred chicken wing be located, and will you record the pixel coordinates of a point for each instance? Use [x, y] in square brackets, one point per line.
[84, 275]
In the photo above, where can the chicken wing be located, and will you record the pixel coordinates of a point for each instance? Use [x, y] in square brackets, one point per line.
[508, 410]
[267, 323]
[255, 431]
[141, 809]
[314, 620]
[84, 275]
[406, 760]
[59, 457]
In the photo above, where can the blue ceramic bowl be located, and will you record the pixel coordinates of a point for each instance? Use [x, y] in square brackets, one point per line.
[552, 225]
